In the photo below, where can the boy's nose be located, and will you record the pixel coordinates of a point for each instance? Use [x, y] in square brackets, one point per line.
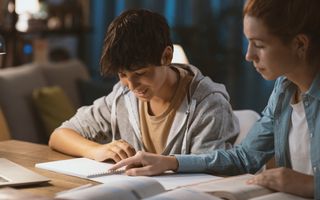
[132, 84]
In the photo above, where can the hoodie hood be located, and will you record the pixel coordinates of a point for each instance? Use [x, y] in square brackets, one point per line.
[200, 84]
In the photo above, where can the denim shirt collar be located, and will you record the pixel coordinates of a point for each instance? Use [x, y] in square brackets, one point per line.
[313, 91]
[314, 88]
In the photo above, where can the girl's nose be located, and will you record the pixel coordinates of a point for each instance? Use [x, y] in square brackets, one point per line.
[251, 54]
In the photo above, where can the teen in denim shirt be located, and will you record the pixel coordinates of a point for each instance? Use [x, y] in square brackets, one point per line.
[284, 44]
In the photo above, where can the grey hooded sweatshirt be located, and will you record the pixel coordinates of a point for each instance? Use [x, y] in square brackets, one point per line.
[203, 122]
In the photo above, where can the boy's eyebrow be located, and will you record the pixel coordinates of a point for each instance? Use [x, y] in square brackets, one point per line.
[135, 70]
[142, 69]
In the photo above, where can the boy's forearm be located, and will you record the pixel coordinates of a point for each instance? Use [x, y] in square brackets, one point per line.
[71, 143]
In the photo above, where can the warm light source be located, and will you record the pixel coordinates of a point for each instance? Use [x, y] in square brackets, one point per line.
[25, 10]
[27, 7]
[178, 55]
[2, 46]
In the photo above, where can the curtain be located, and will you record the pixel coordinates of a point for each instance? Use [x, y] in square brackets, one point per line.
[211, 33]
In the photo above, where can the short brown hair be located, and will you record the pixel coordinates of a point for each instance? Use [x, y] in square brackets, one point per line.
[134, 39]
[287, 18]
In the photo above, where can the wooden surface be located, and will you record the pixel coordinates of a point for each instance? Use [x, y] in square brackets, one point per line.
[28, 154]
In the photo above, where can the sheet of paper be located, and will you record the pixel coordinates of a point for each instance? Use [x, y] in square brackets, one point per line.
[279, 195]
[83, 167]
[130, 188]
[182, 194]
[169, 180]
[174, 180]
[80, 167]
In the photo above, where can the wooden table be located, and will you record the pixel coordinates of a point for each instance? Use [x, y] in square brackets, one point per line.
[28, 154]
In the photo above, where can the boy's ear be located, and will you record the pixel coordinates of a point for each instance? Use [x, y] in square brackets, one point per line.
[301, 44]
[167, 56]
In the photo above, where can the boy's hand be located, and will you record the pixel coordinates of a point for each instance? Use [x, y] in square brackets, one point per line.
[116, 150]
[285, 180]
[147, 164]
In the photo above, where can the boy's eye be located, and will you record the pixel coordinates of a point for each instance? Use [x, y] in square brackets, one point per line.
[139, 73]
[121, 74]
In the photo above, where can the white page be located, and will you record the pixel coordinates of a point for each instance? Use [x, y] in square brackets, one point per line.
[132, 188]
[233, 188]
[80, 167]
[112, 178]
[183, 194]
[174, 180]
[169, 180]
[98, 192]
[279, 195]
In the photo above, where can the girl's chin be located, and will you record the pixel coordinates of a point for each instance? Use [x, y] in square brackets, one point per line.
[268, 77]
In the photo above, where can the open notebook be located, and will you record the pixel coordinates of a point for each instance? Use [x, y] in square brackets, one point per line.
[99, 172]
[12, 174]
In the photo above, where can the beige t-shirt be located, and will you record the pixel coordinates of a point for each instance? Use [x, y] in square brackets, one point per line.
[155, 129]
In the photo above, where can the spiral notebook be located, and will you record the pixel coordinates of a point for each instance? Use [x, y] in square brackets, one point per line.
[80, 167]
[99, 172]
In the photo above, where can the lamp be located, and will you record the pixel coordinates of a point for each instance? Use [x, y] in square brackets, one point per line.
[178, 55]
[2, 45]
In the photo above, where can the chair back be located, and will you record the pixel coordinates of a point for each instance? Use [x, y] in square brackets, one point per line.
[246, 120]
[4, 130]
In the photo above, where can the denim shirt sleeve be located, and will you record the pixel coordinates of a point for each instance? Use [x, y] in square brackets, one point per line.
[249, 156]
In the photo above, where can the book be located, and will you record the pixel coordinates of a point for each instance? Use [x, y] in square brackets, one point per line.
[233, 188]
[99, 172]
[134, 189]
[167, 186]
[236, 188]
[183, 194]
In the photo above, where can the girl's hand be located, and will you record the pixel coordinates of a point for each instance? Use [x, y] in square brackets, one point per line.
[286, 180]
[147, 164]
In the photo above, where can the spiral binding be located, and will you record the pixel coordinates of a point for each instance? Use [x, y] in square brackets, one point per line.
[105, 173]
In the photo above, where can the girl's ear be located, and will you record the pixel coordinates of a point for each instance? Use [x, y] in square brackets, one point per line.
[301, 45]
[167, 56]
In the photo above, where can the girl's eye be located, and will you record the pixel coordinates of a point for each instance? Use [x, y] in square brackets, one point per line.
[259, 46]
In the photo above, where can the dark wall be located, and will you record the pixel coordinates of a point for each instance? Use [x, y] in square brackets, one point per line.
[210, 32]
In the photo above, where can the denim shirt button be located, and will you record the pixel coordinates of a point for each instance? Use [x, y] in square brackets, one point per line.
[311, 134]
[306, 103]
[314, 169]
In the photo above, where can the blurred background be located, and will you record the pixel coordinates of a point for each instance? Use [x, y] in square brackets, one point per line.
[210, 32]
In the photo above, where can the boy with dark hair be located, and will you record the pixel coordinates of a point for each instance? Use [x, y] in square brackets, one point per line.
[135, 40]
[156, 107]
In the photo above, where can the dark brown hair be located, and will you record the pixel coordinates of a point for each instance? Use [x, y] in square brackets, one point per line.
[135, 39]
[288, 18]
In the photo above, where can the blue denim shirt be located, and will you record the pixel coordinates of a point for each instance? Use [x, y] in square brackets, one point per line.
[268, 137]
